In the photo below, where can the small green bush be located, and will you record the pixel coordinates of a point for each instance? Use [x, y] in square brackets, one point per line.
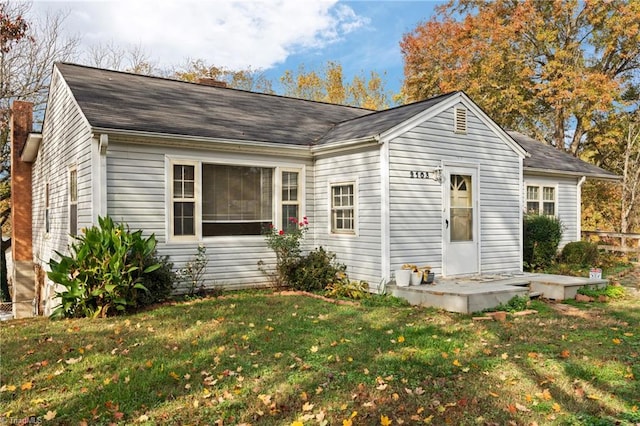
[542, 236]
[315, 271]
[344, 287]
[582, 253]
[160, 283]
[104, 271]
[515, 304]
[610, 291]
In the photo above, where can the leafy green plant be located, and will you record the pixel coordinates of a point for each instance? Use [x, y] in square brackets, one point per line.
[583, 253]
[193, 271]
[344, 287]
[542, 236]
[103, 272]
[515, 304]
[610, 291]
[159, 283]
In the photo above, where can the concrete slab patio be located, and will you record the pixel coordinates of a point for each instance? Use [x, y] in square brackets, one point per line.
[477, 293]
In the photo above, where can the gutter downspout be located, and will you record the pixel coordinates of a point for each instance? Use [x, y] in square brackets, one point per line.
[579, 208]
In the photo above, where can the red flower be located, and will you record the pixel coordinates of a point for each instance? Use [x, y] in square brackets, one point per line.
[281, 232]
[293, 220]
[271, 226]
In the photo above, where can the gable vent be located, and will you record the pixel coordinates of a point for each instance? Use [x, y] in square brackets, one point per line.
[460, 120]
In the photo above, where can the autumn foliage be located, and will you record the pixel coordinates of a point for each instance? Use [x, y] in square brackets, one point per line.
[551, 69]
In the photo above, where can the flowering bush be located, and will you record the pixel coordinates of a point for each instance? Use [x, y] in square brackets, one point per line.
[285, 243]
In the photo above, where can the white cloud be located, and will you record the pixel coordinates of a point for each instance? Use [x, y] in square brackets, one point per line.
[232, 34]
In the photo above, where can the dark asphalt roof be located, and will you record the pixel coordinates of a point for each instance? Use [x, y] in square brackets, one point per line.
[548, 158]
[124, 101]
[380, 121]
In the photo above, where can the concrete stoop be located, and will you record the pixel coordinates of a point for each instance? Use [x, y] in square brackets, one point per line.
[476, 294]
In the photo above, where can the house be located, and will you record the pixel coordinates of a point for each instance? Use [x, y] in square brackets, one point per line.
[435, 182]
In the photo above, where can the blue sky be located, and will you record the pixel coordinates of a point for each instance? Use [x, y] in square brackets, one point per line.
[272, 35]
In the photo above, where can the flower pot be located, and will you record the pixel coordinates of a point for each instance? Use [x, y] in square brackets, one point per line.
[431, 276]
[416, 278]
[403, 277]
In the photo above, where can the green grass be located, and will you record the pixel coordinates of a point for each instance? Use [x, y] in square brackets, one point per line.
[257, 358]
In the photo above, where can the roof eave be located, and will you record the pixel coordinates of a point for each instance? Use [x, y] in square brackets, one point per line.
[345, 145]
[601, 176]
[237, 145]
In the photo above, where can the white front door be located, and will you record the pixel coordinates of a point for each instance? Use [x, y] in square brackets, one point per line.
[461, 231]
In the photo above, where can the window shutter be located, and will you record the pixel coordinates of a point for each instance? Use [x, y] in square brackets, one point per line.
[460, 120]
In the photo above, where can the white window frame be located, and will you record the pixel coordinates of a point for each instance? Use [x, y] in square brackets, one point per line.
[196, 203]
[332, 229]
[541, 187]
[276, 204]
[281, 202]
[73, 190]
[47, 208]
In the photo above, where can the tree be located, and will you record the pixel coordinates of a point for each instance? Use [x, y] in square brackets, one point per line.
[27, 53]
[248, 79]
[328, 85]
[112, 56]
[551, 69]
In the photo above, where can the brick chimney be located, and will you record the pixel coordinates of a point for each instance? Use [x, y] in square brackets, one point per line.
[208, 81]
[23, 291]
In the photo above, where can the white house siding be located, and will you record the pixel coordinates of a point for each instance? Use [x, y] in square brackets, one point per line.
[137, 195]
[566, 198]
[66, 141]
[416, 205]
[361, 252]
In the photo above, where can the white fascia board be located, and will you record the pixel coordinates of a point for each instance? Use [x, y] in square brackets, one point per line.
[561, 173]
[342, 146]
[31, 148]
[187, 141]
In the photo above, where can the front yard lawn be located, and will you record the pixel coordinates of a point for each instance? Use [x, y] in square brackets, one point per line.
[263, 359]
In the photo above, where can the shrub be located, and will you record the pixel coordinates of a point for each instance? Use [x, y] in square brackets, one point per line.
[285, 243]
[315, 271]
[103, 272]
[193, 272]
[541, 240]
[342, 286]
[581, 253]
[159, 283]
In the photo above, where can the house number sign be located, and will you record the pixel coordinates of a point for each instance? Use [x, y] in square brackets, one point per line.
[418, 175]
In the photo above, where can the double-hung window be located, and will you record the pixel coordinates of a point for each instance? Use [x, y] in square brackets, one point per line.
[73, 201]
[212, 200]
[290, 198]
[184, 199]
[343, 214]
[47, 209]
[541, 200]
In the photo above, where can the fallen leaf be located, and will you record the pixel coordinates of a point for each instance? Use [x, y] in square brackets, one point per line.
[556, 407]
[26, 385]
[314, 349]
[50, 415]
[564, 354]
[384, 421]
[616, 341]
[307, 406]
[400, 339]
